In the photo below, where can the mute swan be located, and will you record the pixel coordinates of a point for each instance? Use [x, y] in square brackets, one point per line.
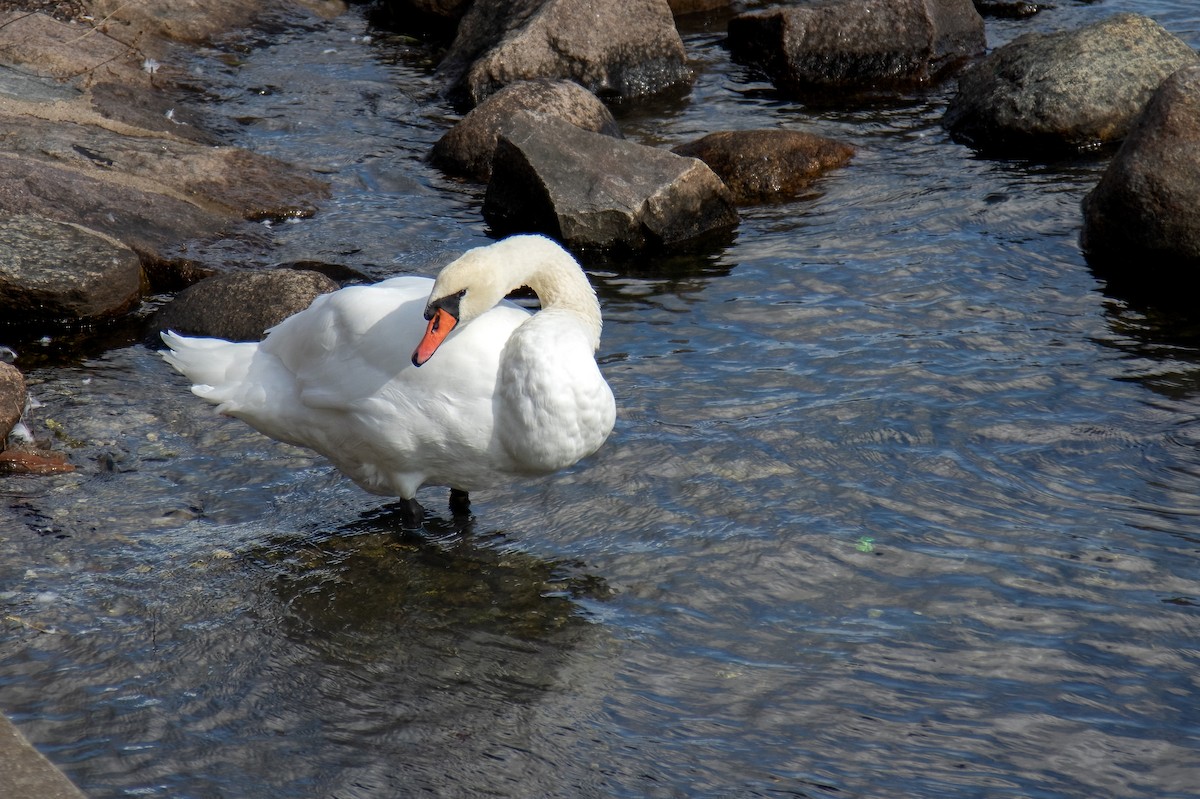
[490, 390]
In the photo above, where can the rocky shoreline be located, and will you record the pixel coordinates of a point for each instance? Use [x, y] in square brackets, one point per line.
[107, 175]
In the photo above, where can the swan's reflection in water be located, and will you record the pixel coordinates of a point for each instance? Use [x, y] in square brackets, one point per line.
[448, 656]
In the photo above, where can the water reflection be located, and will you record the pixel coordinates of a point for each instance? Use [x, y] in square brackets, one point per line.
[374, 582]
[390, 663]
[438, 653]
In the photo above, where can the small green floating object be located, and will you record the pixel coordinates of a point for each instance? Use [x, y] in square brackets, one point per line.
[865, 544]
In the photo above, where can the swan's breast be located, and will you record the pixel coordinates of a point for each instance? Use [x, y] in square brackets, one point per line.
[553, 405]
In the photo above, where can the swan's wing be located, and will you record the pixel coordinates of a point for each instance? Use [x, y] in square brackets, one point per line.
[352, 350]
[351, 343]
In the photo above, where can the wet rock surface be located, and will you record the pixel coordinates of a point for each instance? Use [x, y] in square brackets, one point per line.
[242, 306]
[94, 136]
[227, 181]
[1141, 221]
[861, 44]
[761, 166]
[1046, 94]
[12, 399]
[56, 272]
[466, 149]
[613, 48]
[592, 190]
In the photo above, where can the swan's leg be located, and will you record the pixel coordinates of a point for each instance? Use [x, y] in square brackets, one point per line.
[412, 515]
[460, 502]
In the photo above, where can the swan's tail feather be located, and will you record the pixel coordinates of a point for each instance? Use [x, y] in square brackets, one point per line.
[216, 367]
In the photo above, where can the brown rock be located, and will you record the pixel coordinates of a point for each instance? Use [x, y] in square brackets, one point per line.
[46, 47]
[33, 461]
[682, 7]
[1141, 220]
[226, 180]
[153, 225]
[146, 111]
[192, 21]
[467, 148]
[762, 166]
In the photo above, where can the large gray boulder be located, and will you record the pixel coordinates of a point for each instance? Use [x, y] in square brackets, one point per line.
[857, 44]
[1143, 218]
[466, 149]
[56, 272]
[613, 48]
[242, 306]
[594, 191]
[1049, 93]
[769, 165]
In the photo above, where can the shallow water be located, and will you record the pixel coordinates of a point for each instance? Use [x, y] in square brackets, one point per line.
[900, 501]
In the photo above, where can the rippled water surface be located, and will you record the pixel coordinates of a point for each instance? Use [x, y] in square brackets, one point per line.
[901, 501]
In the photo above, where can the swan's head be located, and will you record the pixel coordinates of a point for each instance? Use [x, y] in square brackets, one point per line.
[480, 278]
[465, 289]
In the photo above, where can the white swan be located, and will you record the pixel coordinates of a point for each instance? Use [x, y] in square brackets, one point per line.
[490, 391]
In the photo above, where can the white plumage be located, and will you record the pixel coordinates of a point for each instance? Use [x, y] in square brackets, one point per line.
[505, 393]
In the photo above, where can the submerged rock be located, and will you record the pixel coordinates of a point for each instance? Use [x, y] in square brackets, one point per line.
[863, 44]
[31, 460]
[466, 149]
[762, 166]
[613, 48]
[1141, 220]
[242, 306]
[591, 190]
[52, 272]
[1045, 94]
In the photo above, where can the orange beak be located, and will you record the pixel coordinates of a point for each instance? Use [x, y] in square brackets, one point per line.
[439, 327]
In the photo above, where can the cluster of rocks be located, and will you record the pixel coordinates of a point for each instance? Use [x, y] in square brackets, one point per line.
[1126, 81]
[104, 179]
[1041, 97]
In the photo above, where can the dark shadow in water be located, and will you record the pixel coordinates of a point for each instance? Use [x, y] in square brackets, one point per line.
[1161, 327]
[652, 280]
[372, 582]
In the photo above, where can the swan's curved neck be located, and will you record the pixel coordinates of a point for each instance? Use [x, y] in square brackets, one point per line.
[483, 276]
[563, 286]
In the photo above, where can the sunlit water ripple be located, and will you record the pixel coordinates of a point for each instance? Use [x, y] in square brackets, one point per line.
[900, 501]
